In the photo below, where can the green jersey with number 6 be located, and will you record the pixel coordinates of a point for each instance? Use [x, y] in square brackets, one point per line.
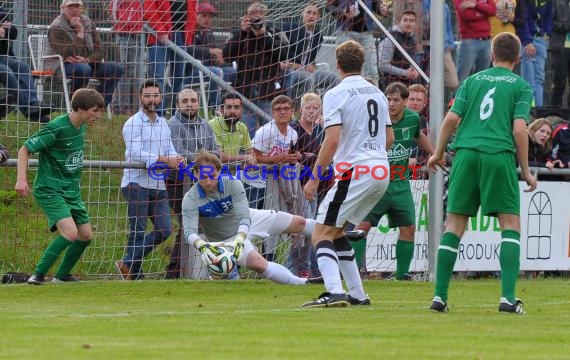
[487, 103]
[60, 147]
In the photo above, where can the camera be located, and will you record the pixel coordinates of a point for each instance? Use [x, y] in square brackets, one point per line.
[257, 24]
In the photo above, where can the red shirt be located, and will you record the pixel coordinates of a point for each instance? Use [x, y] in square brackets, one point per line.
[474, 22]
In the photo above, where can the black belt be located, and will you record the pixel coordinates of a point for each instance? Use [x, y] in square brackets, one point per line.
[483, 38]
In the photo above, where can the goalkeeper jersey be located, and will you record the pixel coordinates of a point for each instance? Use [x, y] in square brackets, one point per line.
[219, 214]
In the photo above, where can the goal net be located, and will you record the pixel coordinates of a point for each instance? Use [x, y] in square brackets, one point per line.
[291, 61]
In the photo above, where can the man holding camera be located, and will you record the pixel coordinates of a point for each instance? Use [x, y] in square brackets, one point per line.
[256, 49]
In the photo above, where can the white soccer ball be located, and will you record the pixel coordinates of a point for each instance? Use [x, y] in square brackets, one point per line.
[222, 264]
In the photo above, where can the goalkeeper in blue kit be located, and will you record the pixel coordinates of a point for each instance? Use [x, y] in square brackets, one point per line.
[220, 205]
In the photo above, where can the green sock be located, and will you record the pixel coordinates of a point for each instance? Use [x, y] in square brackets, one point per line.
[71, 257]
[404, 255]
[509, 258]
[446, 256]
[51, 254]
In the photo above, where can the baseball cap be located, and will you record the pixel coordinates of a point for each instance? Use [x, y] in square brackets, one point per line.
[205, 7]
[71, 2]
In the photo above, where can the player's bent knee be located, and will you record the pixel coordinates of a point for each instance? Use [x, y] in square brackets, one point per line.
[256, 262]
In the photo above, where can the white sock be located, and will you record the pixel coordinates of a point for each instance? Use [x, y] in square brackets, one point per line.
[328, 266]
[308, 230]
[280, 274]
[351, 275]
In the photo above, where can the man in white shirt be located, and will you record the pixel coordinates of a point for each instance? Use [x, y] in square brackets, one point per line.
[147, 139]
[357, 133]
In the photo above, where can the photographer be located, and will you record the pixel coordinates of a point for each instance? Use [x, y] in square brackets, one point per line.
[257, 50]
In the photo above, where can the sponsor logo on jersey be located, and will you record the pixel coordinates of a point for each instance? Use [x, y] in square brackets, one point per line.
[74, 161]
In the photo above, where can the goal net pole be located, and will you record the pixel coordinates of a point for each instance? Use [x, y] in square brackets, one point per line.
[436, 113]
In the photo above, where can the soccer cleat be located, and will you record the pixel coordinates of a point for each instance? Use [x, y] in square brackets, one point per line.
[438, 305]
[506, 307]
[36, 279]
[315, 280]
[355, 301]
[123, 270]
[66, 278]
[327, 299]
[406, 277]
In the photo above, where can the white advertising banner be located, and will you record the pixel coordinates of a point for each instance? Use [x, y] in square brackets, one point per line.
[545, 234]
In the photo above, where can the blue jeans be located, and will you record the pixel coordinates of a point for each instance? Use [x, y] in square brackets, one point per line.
[472, 56]
[251, 120]
[16, 76]
[308, 81]
[142, 204]
[108, 73]
[533, 69]
[159, 56]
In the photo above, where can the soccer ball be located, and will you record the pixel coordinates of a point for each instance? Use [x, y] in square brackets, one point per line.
[223, 264]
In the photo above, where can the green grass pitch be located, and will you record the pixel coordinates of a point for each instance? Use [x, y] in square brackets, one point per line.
[256, 319]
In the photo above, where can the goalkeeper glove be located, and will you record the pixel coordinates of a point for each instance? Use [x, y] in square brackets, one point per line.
[208, 250]
[236, 244]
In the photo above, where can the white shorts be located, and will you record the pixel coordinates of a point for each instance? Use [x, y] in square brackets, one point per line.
[352, 199]
[264, 223]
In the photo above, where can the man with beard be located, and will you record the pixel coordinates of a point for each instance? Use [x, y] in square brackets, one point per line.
[233, 137]
[190, 134]
[147, 139]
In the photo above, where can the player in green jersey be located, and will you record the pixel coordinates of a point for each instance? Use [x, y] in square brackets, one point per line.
[398, 202]
[494, 108]
[60, 146]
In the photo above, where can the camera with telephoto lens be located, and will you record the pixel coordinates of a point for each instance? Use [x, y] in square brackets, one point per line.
[257, 24]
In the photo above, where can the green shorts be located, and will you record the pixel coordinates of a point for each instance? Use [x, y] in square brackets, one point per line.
[486, 180]
[57, 207]
[397, 203]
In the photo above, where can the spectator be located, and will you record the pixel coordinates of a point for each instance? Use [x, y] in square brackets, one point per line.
[474, 53]
[539, 143]
[4, 155]
[418, 101]
[147, 139]
[190, 134]
[233, 138]
[74, 36]
[503, 19]
[57, 191]
[561, 146]
[392, 64]
[172, 20]
[450, 80]
[219, 205]
[302, 256]
[205, 49]
[559, 51]
[304, 44]
[127, 16]
[355, 24]
[534, 33]
[15, 75]
[257, 50]
[271, 145]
